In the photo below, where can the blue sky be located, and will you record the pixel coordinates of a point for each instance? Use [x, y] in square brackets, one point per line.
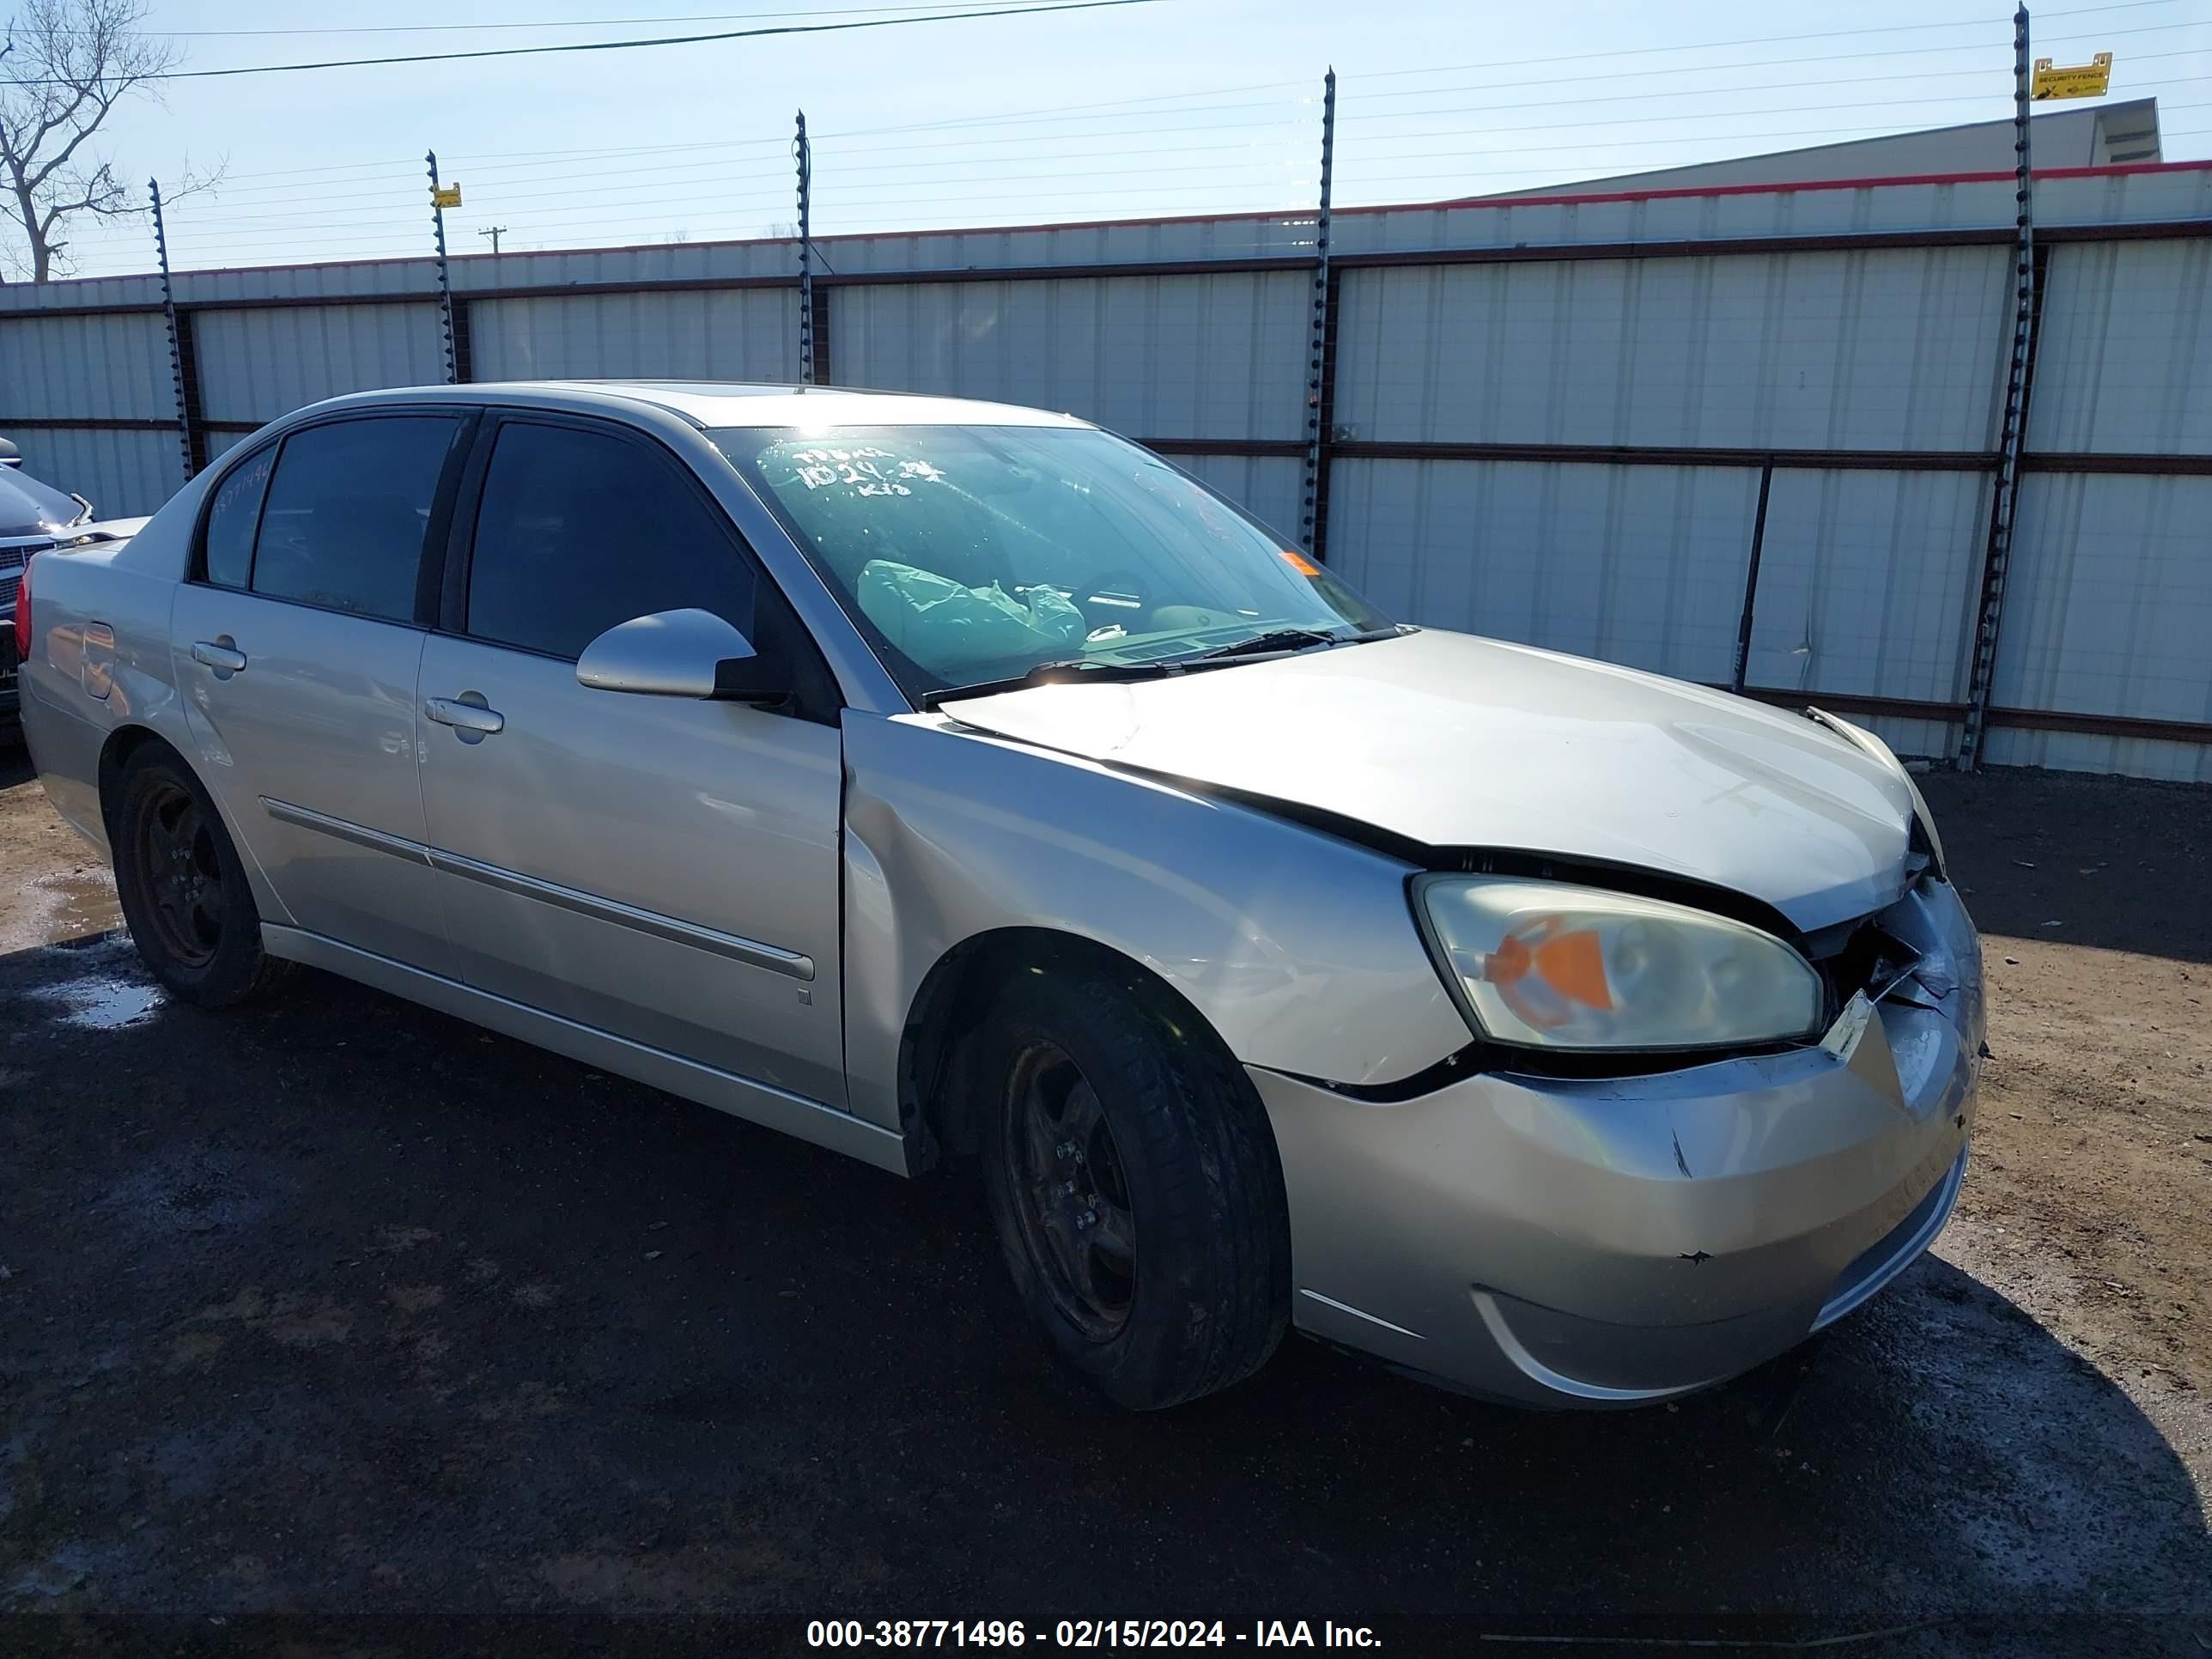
[1176, 107]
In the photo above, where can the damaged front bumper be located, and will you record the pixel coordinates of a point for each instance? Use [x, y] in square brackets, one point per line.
[1609, 1241]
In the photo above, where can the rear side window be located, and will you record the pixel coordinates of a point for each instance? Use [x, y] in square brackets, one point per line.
[578, 531]
[346, 512]
[232, 517]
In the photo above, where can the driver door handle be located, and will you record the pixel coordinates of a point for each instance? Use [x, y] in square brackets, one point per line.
[464, 716]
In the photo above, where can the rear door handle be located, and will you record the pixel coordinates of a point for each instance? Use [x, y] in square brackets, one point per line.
[471, 719]
[224, 659]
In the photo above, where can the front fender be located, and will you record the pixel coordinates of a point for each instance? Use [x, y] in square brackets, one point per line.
[1298, 948]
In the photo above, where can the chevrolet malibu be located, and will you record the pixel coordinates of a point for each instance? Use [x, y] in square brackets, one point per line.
[938, 781]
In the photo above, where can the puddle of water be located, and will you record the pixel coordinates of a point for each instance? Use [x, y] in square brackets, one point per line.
[108, 992]
[104, 1004]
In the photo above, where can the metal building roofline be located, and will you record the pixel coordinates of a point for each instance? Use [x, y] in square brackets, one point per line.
[1457, 204]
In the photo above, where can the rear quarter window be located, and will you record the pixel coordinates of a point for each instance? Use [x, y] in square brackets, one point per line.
[227, 558]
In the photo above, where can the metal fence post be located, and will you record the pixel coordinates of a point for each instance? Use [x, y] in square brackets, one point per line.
[182, 371]
[803, 153]
[1750, 578]
[1321, 348]
[445, 281]
[1996, 559]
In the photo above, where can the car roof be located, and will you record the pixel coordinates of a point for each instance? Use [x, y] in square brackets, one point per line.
[739, 404]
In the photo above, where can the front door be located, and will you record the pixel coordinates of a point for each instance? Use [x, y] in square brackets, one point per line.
[662, 869]
[297, 648]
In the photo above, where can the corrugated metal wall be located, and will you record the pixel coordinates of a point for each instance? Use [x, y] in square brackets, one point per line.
[1642, 565]
[2110, 613]
[122, 473]
[1199, 357]
[744, 334]
[2111, 606]
[1546, 417]
[94, 370]
[256, 365]
[1884, 349]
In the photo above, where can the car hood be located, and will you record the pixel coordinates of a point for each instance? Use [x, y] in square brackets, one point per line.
[28, 507]
[1451, 741]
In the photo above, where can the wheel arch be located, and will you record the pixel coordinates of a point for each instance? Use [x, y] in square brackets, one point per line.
[938, 1098]
[115, 753]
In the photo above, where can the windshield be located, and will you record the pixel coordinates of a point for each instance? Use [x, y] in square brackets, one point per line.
[973, 554]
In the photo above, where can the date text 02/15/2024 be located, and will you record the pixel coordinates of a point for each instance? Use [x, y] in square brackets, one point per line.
[1085, 1633]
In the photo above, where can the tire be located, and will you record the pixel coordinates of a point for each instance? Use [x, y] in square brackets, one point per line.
[184, 890]
[1179, 1284]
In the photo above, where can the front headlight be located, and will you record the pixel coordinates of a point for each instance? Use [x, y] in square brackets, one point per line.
[1548, 965]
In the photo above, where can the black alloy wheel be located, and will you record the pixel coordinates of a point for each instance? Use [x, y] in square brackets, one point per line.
[1072, 1194]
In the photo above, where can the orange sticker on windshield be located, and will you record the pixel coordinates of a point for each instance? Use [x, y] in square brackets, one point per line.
[1299, 562]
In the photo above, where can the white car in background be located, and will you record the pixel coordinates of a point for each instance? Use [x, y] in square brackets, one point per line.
[35, 516]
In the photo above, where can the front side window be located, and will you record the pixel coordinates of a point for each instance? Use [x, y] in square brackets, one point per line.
[578, 531]
[970, 554]
[232, 517]
[347, 509]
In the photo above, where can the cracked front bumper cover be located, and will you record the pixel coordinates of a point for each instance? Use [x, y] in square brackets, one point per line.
[1608, 1242]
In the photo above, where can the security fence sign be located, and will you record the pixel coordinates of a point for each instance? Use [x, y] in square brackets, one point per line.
[445, 196]
[2090, 79]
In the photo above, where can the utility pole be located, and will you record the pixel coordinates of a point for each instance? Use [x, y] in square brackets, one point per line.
[493, 231]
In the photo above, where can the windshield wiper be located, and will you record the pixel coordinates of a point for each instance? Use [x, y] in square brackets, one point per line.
[1064, 671]
[1069, 670]
[1284, 639]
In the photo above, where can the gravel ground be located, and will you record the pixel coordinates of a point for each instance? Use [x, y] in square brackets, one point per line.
[339, 1327]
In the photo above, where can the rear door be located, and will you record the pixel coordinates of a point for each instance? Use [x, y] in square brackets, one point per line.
[297, 644]
[663, 869]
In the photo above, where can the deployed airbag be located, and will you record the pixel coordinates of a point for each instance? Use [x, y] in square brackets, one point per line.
[946, 626]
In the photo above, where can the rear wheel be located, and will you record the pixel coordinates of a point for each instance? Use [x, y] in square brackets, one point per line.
[1135, 1186]
[182, 887]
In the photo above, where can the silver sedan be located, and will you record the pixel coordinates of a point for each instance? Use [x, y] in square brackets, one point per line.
[938, 781]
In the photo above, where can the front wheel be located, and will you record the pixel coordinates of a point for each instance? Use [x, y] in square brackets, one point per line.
[1135, 1186]
[182, 887]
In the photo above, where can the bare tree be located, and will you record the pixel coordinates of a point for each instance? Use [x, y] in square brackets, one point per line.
[65, 65]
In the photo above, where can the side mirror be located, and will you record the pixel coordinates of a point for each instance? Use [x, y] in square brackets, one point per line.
[681, 653]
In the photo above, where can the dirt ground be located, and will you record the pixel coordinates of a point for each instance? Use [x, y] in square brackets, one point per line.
[339, 1327]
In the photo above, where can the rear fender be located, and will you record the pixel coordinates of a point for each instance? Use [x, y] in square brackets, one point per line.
[77, 737]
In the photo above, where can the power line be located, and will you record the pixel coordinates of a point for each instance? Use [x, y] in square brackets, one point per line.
[1060, 112]
[1023, 117]
[547, 23]
[918, 5]
[1781, 63]
[1044, 168]
[1026, 10]
[1773, 41]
